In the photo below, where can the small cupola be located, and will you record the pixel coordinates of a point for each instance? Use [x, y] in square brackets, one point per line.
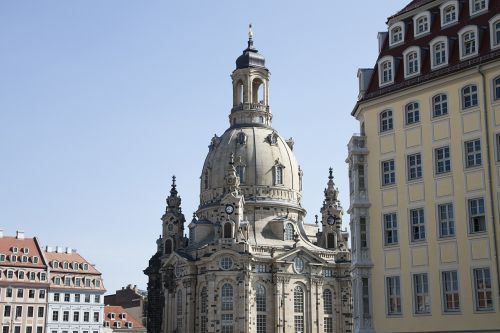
[251, 56]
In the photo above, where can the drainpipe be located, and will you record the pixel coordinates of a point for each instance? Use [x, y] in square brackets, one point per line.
[490, 181]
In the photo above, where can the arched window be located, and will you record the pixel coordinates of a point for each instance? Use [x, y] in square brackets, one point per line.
[239, 93]
[386, 123]
[469, 96]
[288, 231]
[241, 139]
[204, 310]
[439, 105]
[386, 67]
[240, 172]
[449, 14]
[328, 311]
[422, 23]
[468, 44]
[257, 91]
[227, 308]
[396, 35]
[496, 88]
[228, 230]
[260, 301]
[298, 309]
[168, 246]
[179, 312]
[412, 63]
[439, 54]
[278, 175]
[477, 6]
[327, 301]
[496, 33]
[412, 113]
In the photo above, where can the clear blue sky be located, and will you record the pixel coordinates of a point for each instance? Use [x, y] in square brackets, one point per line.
[102, 101]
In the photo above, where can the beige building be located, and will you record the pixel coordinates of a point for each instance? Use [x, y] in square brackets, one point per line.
[119, 320]
[425, 173]
[131, 299]
[251, 262]
[23, 285]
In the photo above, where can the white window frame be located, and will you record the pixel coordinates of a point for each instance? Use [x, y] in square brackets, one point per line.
[477, 214]
[446, 220]
[473, 12]
[414, 166]
[393, 295]
[483, 285]
[383, 60]
[412, 113]
[495, 84]
[416, 18]
[442, 159]
[494, 41]
[400, 25]
[421, 295]
[443, 105]
[390, 172]
[443, 14]
[406, 54]
[461, 44]
[432, 45]
[418, 232]
[389, 119]
[390, 221]
[453, 292]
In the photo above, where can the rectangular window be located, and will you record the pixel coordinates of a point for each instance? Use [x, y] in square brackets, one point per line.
[40, 312]
[451, 297]
[366, 296]
[55, 315]
[96, 317]
[299, 324]
[442, 160]
[77, 298]
[29, 329]
[77, 282]
[477, 221]
[20, 293]
[30, 312]
[422, 300]
[67, 281]
[31, 293]
[446, 220]
[56, 297]
[41, 294]
[39, 329]
[473, 153]
[5, 329]
[328, 323]
[226, 323]
[65, 315]
[97, 298]
[414, 166]
[66, 297]
[393, 295]
[362, 233]
[19, 311]
[76, 316]
[261, 323]
[482, 289]
[86, 316]
[388, 172]
[361, 177]
[6, 311]
[87, 298]
[390, 229]
[17, 329]
[417, 224]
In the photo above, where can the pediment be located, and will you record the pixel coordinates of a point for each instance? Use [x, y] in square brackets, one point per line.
[303, 252]
[174, 259]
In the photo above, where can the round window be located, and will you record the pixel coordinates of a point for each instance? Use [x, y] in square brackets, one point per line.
[298, 264]
[226, 263]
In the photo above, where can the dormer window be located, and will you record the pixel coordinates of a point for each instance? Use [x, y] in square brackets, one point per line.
[495, 32]
[118, 324]
[55, 264]
[396, 33]
[468, 42]
[412, 61]
[24, 258]
[449, 13]
[65, 265]
[13, 258]
[14, 249]
[385, 66]
[111, 315]
[2, 257]
[34, 259]
[26, 250]
[129, 324]
[106, 323]
[477, 6]
[124, 315]
[422, 24]
[439, 52]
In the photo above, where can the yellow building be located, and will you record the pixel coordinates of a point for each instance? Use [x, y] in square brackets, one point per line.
[425, 173]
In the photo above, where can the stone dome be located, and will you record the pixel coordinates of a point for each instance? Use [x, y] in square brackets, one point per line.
[257, 152]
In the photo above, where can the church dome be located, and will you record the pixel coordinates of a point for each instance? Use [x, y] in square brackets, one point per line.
[264, 162]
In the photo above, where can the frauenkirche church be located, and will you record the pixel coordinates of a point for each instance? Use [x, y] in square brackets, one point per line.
[250, 263]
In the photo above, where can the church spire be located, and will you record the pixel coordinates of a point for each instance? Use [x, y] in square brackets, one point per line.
[174, 200]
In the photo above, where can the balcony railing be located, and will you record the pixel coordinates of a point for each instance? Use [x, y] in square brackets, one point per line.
[357, 144]
[251, 107]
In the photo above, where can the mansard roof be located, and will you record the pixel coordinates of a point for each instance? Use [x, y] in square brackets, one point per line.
[455, 64]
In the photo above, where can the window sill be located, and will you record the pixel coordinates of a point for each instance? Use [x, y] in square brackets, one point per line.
[442, 174]
[436, 67]
[470, 109]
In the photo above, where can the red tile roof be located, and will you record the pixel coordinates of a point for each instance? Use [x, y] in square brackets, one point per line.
[485, 54]
[7, 245]
[118, 311]
[70, 258]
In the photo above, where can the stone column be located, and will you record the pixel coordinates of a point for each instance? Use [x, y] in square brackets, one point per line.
[190, 305]
[317, 306]
[280, 284]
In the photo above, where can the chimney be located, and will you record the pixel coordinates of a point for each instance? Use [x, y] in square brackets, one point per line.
[48, 249]
[364, 78]
[20, 234]
[59, 249]
[68, 250]
[381, 36]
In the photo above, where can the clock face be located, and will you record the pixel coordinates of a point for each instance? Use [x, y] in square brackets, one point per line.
[330, 220]
[229, 209]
